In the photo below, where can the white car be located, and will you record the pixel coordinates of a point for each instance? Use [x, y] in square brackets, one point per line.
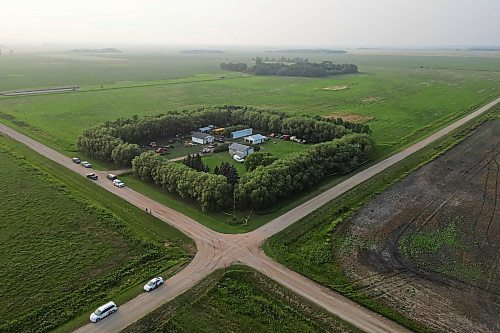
[118, 183]
[153, 283]
[238, 159]
[86, 164]
[76, 160]
[103, 311]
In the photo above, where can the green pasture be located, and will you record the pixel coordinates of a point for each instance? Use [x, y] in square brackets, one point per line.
[405, 101]
[239, 299]
[43, 69]
[67, 245]
[22, 70]
[406, 97]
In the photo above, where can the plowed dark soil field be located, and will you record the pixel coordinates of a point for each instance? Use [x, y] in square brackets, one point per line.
[430, 245]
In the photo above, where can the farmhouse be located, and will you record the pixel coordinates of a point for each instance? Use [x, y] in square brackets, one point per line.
[241, 133]
[255, 139]
[240, 150]
[202, 138]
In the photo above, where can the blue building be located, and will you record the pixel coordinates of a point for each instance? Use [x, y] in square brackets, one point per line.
[241, 133]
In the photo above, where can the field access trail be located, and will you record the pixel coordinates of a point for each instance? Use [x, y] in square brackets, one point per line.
[216, 250]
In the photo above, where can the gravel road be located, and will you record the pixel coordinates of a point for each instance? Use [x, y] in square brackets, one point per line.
[216, 250]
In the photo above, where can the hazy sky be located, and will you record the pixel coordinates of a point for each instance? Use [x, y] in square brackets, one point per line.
[255, 22]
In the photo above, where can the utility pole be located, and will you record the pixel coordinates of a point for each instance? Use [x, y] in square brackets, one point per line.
[234, 202]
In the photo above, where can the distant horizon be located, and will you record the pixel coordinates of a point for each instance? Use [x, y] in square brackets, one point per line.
[222, 47]
[361, 23]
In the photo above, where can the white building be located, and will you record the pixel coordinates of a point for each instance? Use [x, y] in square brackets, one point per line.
[255, 139]
[202, 138]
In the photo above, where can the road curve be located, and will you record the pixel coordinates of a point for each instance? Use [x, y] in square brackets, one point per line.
[216, 250]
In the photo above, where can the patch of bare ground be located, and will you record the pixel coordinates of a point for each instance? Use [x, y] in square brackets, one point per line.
[429, 246]
[350, 117]
[336, 88]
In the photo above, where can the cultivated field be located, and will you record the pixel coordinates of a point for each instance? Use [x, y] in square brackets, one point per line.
[424, 252]
[436, 233]
[239, 300]
[67, 245]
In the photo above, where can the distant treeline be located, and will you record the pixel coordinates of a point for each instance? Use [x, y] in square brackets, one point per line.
[105, 50]
[202, 51]
[314, 51]
[483, 49]
[295, 60]
[302, 69]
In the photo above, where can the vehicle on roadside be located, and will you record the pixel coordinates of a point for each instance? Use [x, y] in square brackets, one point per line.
[153, 283]
[238, 159]
[103, 311]
[118, 183]
[86, 164]
[76, 160]
[92, 176]
[110, 176]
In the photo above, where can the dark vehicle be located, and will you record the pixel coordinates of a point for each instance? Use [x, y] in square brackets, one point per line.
[76, 160]
[92, 176]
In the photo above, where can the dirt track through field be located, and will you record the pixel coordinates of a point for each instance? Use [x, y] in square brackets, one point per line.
[216, 250]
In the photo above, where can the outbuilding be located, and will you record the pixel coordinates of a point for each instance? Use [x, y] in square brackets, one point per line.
[202, 138]
[204, 129]
[255, 139]
[242, 133]
[240, 150]
[207, 129]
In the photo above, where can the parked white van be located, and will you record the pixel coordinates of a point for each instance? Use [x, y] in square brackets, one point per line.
[103, 311]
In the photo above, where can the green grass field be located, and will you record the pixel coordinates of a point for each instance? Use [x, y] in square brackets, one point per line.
[406, 101]
[239, 300]
[66, 244]
[43, 69]
[310, 245]
[406, 97]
